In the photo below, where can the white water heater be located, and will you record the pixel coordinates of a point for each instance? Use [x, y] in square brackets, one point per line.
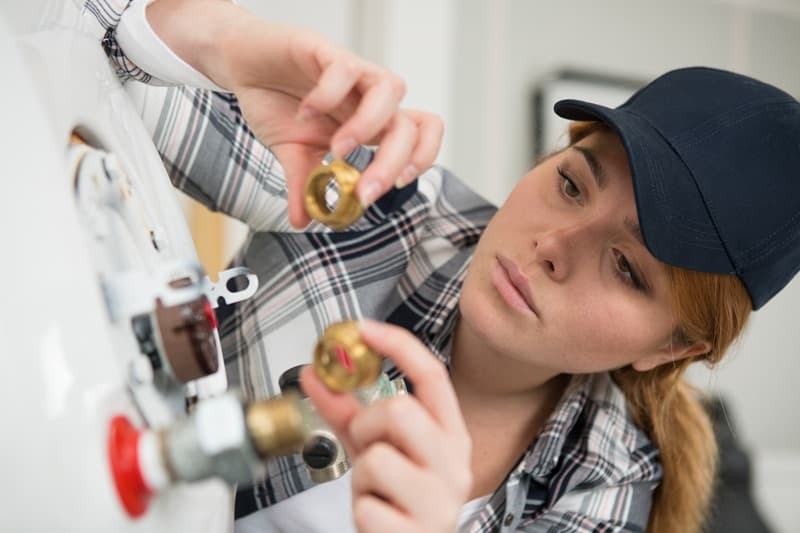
[107, 324]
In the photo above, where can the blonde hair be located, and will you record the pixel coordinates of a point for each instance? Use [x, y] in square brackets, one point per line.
[708, 307]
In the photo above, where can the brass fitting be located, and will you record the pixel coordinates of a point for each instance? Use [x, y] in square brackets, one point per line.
[348, 208]
[342, 360]
[277, 425]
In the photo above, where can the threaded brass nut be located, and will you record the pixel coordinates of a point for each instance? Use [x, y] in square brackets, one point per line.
[276, 425]
[348, 208]
[342, 360]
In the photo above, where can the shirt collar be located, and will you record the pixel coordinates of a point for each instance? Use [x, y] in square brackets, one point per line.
[542, 456]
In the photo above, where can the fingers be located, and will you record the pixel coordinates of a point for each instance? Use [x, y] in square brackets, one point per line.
[332, 88]
[430, 130]
[407, 148]
[402, 422]
[432, 386]
[373, 515]
[380, 101]
[391, 158]
[378, 93]
[367, 100]
[413, 492]
[377, 469]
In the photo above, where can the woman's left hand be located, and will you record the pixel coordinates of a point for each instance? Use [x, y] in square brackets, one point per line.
[302, 95]
[410, 454]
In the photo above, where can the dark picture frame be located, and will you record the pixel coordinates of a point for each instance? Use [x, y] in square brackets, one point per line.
[548, 129]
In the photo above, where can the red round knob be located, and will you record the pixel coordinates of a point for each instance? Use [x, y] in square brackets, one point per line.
[123, 452]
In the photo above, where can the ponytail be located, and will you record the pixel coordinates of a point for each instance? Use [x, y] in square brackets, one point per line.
[666, 407]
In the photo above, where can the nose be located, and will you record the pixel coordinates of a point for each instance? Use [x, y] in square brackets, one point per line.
[557, 251]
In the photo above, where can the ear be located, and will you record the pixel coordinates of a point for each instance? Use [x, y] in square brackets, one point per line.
[670, 353]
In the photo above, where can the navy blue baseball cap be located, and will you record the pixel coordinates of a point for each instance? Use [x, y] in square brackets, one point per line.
[715, 160]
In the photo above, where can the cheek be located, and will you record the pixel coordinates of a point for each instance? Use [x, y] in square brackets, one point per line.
[608, 332]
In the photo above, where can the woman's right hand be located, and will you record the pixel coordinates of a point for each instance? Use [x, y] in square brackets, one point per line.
[410, 453]
[302, 95]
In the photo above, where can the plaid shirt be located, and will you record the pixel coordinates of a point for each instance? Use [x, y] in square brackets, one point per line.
[590, 469]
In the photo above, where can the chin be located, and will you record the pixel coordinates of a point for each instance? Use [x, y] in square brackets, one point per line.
[481, 315]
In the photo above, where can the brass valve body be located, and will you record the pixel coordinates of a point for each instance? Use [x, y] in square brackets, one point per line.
[277, 425]
[348, 208]
[342, 360]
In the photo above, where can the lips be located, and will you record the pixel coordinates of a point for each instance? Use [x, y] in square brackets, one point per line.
[518, 280]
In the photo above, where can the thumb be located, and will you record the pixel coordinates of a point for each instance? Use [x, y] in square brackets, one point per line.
[337, 409]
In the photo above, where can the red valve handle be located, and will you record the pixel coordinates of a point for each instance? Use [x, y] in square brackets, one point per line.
[123, 452]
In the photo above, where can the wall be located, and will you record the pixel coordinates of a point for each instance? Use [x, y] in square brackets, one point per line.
[334, 18]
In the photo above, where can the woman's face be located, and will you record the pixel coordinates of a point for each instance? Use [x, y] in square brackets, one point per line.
[561, 278]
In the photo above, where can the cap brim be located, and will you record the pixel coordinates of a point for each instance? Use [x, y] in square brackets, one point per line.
[674, 220]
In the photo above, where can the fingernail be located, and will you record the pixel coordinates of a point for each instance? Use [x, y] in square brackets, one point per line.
[406, 177]
[305, 114]
[369, 193]
[344, 147]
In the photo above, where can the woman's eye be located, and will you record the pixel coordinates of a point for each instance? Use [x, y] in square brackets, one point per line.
[568, 186]
[623, 265]
[627, 273]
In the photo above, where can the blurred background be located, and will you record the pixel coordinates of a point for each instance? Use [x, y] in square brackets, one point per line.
[492, 70]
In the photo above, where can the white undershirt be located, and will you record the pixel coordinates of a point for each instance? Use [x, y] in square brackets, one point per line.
[142, 46]
[326, 508]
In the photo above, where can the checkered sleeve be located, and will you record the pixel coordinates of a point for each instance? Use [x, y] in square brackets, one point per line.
[211, 155]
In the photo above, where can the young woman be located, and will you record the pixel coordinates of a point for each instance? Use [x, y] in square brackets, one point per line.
[545, 340]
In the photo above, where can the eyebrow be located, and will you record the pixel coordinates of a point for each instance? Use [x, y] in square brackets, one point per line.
[594, 165]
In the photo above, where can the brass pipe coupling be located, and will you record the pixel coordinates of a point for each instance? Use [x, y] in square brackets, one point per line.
[342, 361]
[224, 437]
[341, 176]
